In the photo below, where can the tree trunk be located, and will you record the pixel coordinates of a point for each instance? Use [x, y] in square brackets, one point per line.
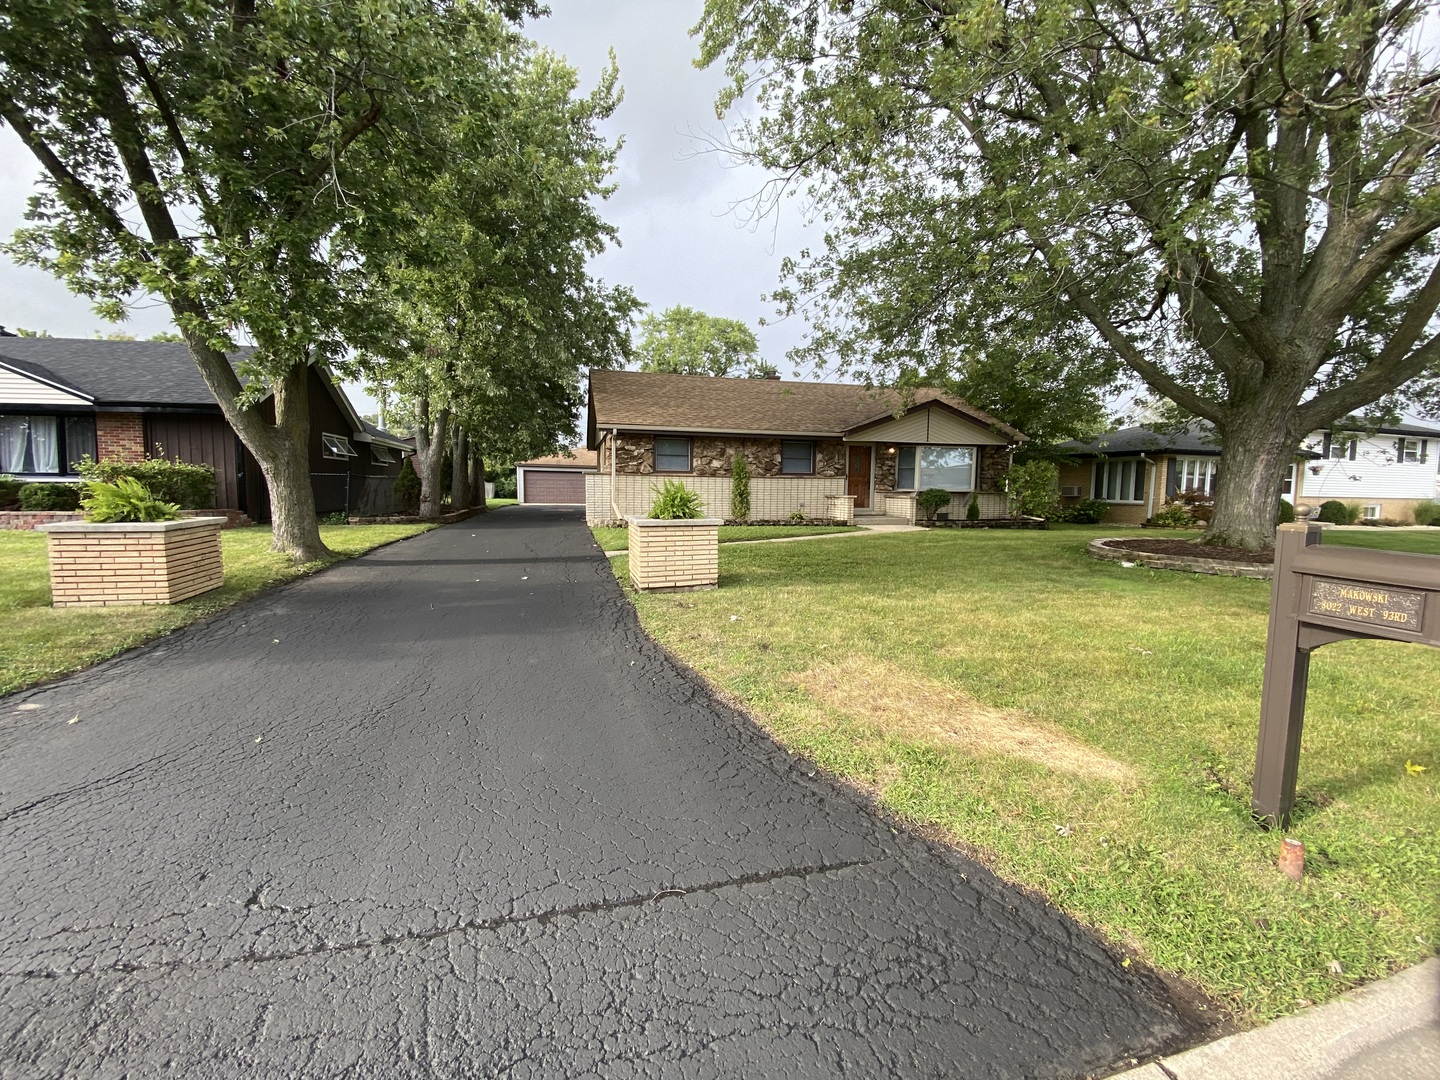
[460, 470]
[477, 477]
[1258, 450]
[281, 449]
[430, 440]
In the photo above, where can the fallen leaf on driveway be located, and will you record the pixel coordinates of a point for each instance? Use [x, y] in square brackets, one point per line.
[74, 719]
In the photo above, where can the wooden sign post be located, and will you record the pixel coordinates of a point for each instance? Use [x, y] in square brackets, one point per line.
[1324, 594]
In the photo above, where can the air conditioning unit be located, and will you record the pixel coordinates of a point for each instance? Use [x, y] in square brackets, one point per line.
[1070, 491]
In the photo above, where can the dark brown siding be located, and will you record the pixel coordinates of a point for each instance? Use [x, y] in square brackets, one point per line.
[199, 440]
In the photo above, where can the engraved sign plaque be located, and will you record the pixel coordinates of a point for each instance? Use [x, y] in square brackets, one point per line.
[1378, 605]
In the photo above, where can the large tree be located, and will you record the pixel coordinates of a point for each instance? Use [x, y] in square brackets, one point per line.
[1238, 198]
[683, 341]
[491, 307]
[217, 154]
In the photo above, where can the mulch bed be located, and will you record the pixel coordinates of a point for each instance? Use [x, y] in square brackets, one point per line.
[1191, 550]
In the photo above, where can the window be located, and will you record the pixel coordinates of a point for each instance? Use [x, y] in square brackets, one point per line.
[1121, 481]
[797, 458]
[337, 447]
[1412, 450]
[1196, 475]
[672, 455]
[1370, 512]
[949, 467]
[381, 455]
[42, 446]
[1287, 486]
[1340, 447]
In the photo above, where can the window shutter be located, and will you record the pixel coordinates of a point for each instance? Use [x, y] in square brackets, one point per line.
[1424, 451]
[1172, 478]
[1354, 445]
[1400, 451]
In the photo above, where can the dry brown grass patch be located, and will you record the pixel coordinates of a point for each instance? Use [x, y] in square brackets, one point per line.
[902, 703]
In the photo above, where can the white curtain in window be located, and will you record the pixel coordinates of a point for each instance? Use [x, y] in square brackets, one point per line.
[14, 433]
[44, 445]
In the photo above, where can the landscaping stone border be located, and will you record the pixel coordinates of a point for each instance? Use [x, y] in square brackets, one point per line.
[1100, 549]
[986, 523]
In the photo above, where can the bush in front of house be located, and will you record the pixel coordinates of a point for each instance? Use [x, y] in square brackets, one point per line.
[676, 502]
[1033, 487]
[1084, 512]
[1173, 515]
[739, 488]
[125, 500]
[1286, 514]
[9, 492]
[932, 500]
[190, 487]
[407, 488]
[1427, 514]
[1335, 512]
[972, 512]
[50, 497]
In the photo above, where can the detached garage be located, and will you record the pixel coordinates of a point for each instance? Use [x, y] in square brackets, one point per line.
[559, 478]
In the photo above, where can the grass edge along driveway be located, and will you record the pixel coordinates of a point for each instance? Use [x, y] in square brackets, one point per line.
[42, 642]
[1088, 730]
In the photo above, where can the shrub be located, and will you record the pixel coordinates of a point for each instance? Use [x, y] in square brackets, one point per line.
[739, 488]
[1427, 514]
[1285, 515]
[1087, 512]
[1173, 515]
[505, 484]
[1199, 505]
[127, 499]
[339, 517]
[675, 502]
[191, 487]
[9, 491]
[50, 497]
[1336, 512]
[1034, 488]
[407, 488]
[972, 512]
[932, 500]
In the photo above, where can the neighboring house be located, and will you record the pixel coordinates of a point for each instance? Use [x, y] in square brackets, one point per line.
[63, 399]
[556, 478]
[802, 442]
[1137, 470]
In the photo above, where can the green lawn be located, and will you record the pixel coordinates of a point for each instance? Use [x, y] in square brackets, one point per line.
[41, 642]
[1089, 730]
[619, 539]
[1426, 543]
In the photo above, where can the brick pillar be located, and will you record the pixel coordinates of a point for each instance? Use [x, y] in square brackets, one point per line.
[120, 436]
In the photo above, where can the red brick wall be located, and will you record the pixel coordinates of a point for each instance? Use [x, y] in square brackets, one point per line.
[120, 435]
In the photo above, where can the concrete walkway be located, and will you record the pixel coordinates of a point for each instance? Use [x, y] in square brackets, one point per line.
[1389, 1030]
[444, 811]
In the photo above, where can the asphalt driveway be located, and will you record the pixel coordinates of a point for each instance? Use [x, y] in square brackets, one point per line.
[445, 811]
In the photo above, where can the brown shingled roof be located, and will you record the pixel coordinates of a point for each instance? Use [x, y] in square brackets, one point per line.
[579, 458]
[699, 403]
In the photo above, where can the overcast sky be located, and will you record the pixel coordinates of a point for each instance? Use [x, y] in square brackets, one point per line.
[682, 240]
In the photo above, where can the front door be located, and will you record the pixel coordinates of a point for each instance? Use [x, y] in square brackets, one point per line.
[858, 476]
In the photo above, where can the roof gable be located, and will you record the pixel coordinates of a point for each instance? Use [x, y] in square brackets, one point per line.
[30, 384]
[116, 372]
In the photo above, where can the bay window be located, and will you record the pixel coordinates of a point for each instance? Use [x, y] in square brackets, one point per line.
[1196, 475]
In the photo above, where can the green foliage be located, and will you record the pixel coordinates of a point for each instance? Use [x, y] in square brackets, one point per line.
[1335, 512]
[124, 499]
[675, 502]
[932, 500]
[407, 487]
[1173, 515]
[1016, 195]
[505, 485]
[9, 490]
[684, 341]
[49, 497]
[972, 512]
[1084, 512]
[1427, 514]
[1285, 514]
[1033, 487]
[191, 487]
[739, 488]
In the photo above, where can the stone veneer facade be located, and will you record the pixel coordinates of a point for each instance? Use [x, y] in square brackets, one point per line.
[773, 496]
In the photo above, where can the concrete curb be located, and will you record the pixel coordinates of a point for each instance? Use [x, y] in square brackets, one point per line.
[1388, 1030]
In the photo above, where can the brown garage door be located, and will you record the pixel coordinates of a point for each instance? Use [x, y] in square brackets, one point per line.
[554, 487]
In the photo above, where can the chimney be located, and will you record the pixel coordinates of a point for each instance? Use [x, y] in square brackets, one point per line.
[773, 375]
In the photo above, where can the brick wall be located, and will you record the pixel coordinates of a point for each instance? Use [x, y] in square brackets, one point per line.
[772, 498]
[679, 556]
[120, 436]
[101, 565]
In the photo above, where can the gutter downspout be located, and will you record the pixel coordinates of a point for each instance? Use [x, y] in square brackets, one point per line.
[1154, 479]
[614, 508]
